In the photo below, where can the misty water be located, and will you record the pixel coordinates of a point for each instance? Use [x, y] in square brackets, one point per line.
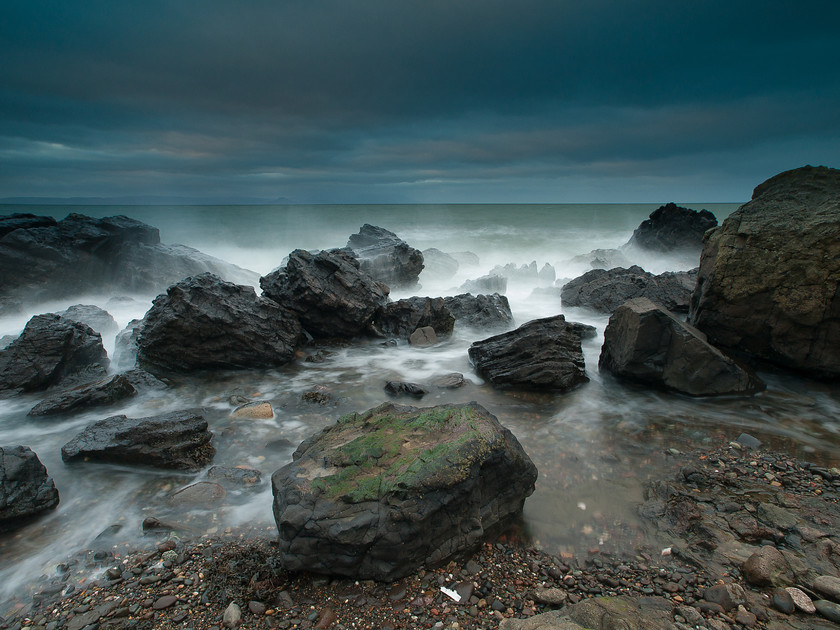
[594, 446]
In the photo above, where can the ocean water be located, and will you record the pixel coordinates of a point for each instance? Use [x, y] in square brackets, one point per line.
[594, 446]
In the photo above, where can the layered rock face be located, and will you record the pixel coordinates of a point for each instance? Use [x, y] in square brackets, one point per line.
[204, 322]
[769, 281]
[645, 343]
[544, 354]
[404, 317]
[386, 257]
[49, 350]
[380, 494]
[673, 228]
[25, 488]
[328, 291]
[179, 440]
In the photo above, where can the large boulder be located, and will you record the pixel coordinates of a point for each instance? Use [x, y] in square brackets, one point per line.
[480, 311]
[646, 343]
[179, 440]
[328, 291]
[403, 317]
[99, 394]
[204, 322]
[543, 354]
[379, 494]
[769, 282]
[49, 350]
[386, 257]
[605, 290]
[25, 488]
[673, 228]
[47, 259]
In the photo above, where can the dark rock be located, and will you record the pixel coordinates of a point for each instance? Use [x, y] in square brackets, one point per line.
[386, 257]
[379, 494]
[98, 319]
[403, 317]
[829, 610]
[728, 596]
[6, 340]
[768, 567]
[143, 381]
[400, 388]
[748, 441]
[423, 337]
[207, 323]
[439, 264]
[672, 228]
[544, 354]
[646, 343]
[179, 439]
[19, 221]
[769, 282]
[605, 290]
[49, 350]
[164, 602]
[25, 488]
[485, 284]
[329, 292]
[480, 311]
[99, 394]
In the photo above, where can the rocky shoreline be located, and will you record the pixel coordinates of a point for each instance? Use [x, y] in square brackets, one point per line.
[721, 506]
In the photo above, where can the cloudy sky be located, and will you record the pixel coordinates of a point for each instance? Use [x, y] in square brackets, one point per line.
[414, 101]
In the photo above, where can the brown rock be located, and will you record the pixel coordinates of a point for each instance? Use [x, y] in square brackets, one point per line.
[767, 567]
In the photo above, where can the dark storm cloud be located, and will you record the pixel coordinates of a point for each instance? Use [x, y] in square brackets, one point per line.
[396, 100]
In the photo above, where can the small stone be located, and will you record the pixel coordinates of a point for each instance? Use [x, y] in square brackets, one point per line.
[748, 441]
[259, 409]
[167, 545]
[801, 600]
[783, 602]
[550, 596]
[397, 592]
[164, 602]
[745, 618]
[326, 618]
[828, 609]
[170, 556]
[256, 608]
[231, 616]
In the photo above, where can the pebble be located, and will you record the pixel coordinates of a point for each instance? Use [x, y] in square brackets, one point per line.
[783, 601]
[827, 609]
[231, 616]
[257, 608]
[164, 602]
[801, 600]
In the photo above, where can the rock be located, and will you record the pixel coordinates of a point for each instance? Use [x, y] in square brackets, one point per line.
[386, 257]
[232, 616]
[203, 493]
[829, 610]
[164, 602]
[125, 345]
[256, 608]
[801, 600]
[403, 317]
[26, 489]
[602, 259]
[328, 291]
[381, 493]
[19, 221]
[646, 343]
[529, 274]
[98, 319]
[485, 284]
[828, 586]
[782, 601]
[454, 380]
[80, 254]
[6, 340]
[206, 323]
[423, 337]
[768, 567]
[727, 596]
[550, 596]
[439, 264]
[605, 290]
[769, 281]
[241, 476]
[179, 439]
[400, 388]
[143, 381]
[745, 617]
[49, 350]
[627, 613]
[480, 311]
[259, 409]
[99, 394]
[544, 354]
[748, 441]
[673, 228]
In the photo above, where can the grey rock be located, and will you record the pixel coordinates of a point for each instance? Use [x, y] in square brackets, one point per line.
[530, 274]
[490, 283]
[232, 616]
[401, 388]
[240, 476]
[439, 264]
[828, 586]
[99, 394]
[95, 317]
[125, 345]
[747, 440]
[423, 337]
[782, 601]
[21, 221]
[646, 343]
[829, 610]
[486, 312]
[453, 380]
[603, 259]
[672, 228]
[202, 493]
[26, 489]
[386, 257]
[403, 317]
[727, 596]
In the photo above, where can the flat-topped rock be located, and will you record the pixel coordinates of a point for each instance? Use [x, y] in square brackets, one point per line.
[101, 393]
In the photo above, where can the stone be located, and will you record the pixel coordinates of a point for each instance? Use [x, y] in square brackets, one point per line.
[486, 312]
[403, 318]
[829, 610]
[769, 281]
[202, 493]
[627, 613]
[602, 259]
[379, 494]
[206, 323]
[438, 264]
[646, 343]
[423, 337]
[453, 380]
[550, 596]
[258, 409]
[21, 221]
[526, 274]
[828, 586]
[801, 600]
[125, 345]
[26, 489]
[728, 596]
[240, 476]
[100, 320]
[748, 441]
[544, 354]
[330, 293]
[49, 350]
[401, 388]
[102, 393]
[179, 439]
[767, 567]
[256, 608]
[490, 283]
[672, 228]
[164, 602]
[232, 616]
[604, 290]
[386, 257]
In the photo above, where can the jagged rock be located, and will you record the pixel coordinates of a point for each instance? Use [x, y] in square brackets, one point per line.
[207, 323]
[526, 273]
[125, 345]
[179, 439]
[379, 494]
[605, 290]
[25, 488]
[671, 227]
[386, 257]
[403, 317]
[602, 259]
[485, 284]
[49, 350]
[423, 337]
[544, 354]
[480, 311]
[439, 264]
[95, 317]
[328, 291]
[99, 394]
[81, 254]
[646, 343]
[769, 282]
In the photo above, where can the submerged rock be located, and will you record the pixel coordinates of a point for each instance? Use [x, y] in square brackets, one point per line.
[179, 439]
[769, 282]
[378, 495]
[328, 291]
[99, 394]
[544, 354]
[480, 311]
[403, 317]
[646, 343]
[206, 323]
[672, 228]
[26, 489]
[386, 257]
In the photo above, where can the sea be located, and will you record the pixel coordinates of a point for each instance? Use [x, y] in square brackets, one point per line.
[595, 447]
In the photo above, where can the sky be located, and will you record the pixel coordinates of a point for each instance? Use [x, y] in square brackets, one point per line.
[404, 101]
